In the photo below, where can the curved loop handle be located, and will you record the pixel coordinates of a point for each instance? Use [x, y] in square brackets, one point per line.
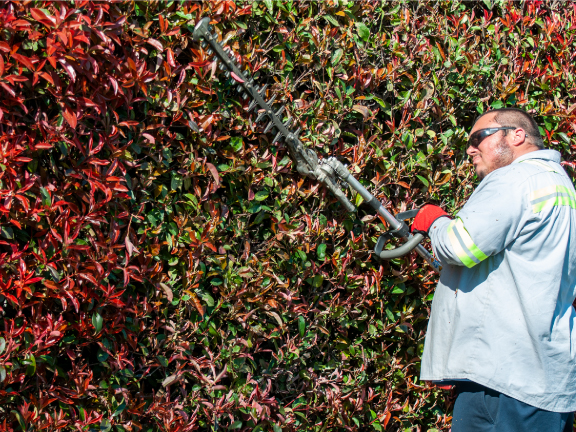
[403, 232]
[389, 254]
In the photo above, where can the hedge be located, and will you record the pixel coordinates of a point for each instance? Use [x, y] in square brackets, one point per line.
[164, 267]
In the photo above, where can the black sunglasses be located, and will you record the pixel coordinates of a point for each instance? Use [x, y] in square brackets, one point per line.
[477, 137]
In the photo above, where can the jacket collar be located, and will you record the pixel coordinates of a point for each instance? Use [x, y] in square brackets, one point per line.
[547, 154]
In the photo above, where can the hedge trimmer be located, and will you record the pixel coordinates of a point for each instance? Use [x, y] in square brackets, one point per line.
[326, 171]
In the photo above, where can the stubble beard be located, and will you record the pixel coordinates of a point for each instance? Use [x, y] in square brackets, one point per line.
[504, 157]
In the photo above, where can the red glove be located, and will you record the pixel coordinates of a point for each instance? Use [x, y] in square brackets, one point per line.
[426, 217]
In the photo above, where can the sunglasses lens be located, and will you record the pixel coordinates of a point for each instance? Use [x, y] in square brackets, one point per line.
[475, 139]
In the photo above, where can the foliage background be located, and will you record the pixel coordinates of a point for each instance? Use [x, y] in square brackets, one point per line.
[158, 275]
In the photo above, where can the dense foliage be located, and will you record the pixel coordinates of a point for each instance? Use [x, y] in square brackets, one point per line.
[163, 267]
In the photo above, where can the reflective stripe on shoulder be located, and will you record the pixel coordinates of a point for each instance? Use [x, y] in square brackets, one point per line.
[540, 164]
[465, 249]
[551, 196]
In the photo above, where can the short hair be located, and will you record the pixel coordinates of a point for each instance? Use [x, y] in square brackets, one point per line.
[515, 117]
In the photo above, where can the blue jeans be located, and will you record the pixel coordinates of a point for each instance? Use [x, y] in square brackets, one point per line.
[480, 409]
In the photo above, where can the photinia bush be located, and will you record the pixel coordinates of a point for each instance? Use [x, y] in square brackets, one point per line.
[163, 266]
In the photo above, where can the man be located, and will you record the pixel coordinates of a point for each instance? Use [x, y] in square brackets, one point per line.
[502, 327]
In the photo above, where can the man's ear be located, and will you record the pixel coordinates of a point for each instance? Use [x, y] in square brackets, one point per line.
[518, 137]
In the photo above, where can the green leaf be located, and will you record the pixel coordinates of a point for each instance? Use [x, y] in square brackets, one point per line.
[105, 425]
[7, 232]
[321, 251]
[207, 299]
[20, 419]
[261, 195]
[336, 56]
[97, 322]
[163, 361]
[363, 31]
[2, 345]
[101, 356]
[236, 425]
[423, 180]
[236, 143]
[2, 373]
[564, 137]
[497, 104]
[270, 5]
[332, 20]
[302, 325]
[176, 182]
[120, 408]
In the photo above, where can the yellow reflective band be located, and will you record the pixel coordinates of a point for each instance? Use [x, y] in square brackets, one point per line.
[551, 196]
[540, 163]
[464, 247]
[468, 241]
[549, 190]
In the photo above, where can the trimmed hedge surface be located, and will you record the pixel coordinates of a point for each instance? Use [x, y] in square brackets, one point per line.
[163, 266]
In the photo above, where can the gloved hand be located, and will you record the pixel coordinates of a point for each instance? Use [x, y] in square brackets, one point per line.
[426, 217]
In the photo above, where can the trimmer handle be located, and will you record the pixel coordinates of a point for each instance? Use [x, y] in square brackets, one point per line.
[402, 232]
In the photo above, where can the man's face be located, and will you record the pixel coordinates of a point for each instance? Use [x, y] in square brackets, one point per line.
[493, 152]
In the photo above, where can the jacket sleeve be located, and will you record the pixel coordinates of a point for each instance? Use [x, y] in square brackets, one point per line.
[486, 225]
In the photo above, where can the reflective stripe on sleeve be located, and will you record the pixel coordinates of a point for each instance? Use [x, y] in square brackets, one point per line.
[540, 164]
[463, 246]
[551, 196]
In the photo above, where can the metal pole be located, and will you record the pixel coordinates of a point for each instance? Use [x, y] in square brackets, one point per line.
[399, 226]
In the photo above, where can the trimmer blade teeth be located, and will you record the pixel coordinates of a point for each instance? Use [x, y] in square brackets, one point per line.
[277, 138]
[269, 126]
[204, 44]
[252, 105]
[209, 52]
[280, 111]
[260, 116]
[271, 101]
[227, 73]
[288, 123]
[297, 132]
[244, 96]
[239, 89]
[263, 89]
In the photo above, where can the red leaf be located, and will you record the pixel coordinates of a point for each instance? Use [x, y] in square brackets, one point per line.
[38, 15]
[24, 60]
[403, 184]
[149, 137]
[95, 161]
[114, 84]
[236, 77]
[47, 77]
[214, 172]
[43, 146]
[70, 116]
[8, 89]
[170, 58]
[129, 123]
[69, 69]
[15, 222]
[156, 44]
[163, 23]
[1, 65]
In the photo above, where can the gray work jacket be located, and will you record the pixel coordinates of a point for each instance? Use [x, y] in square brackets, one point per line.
[502, 312]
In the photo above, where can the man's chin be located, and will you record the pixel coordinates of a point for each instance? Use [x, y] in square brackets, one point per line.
[480, 173]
